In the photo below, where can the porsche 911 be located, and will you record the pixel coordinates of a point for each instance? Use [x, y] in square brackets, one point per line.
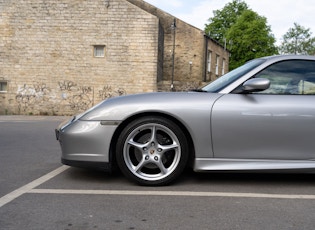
[259, 117]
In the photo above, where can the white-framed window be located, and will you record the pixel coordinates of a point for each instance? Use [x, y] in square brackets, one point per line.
[217, 65]
[209, 61]
[223, 66]
[3, 86]
[99, 50]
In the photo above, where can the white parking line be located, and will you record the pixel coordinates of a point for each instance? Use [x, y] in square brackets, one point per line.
[26, 188]
[30, 188]
[171, 193]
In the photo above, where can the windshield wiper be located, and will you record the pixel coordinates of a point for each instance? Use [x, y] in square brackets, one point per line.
[199, 90]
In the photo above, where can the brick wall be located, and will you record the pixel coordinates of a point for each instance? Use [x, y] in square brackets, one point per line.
[47, 54]
[190, 52]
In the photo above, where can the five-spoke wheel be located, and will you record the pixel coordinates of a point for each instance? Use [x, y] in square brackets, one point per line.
[152, 151]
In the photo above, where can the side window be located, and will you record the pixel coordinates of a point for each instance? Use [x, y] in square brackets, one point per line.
[294, 77]
[307, 86]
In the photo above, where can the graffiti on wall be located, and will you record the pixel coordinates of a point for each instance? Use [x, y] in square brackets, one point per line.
[67, 85]
[78, 97]
[67, 97]
[108, 92]
[27, 96]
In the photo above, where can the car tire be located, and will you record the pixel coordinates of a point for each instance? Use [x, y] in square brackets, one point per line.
[152, 151]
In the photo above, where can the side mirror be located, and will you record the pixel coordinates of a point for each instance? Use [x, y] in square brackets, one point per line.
[256, 85]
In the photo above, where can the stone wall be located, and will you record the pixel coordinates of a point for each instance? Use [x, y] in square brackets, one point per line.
[190, 47]
[47, 61]
[47, 54]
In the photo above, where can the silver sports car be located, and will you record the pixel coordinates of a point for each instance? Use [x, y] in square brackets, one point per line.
[259, 117]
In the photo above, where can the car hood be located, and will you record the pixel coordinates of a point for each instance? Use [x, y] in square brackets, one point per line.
[172, 103]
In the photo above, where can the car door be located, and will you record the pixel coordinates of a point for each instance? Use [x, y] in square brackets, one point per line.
[278, 123]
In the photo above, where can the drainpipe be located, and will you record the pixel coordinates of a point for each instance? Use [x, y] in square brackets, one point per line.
[205, 59]
[173, 27]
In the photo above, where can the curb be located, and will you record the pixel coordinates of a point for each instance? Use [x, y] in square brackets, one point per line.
[32, 118]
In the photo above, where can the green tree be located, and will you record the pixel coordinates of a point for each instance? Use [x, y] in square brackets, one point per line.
[223, 19]
[298, 40]
[251, 37]
[242, 31]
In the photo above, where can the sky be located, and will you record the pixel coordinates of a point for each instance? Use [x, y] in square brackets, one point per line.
[281, 14]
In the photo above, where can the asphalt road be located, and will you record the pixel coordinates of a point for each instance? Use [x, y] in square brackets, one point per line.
[37, 192]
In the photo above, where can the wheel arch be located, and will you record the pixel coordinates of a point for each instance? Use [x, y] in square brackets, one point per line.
[122, 125]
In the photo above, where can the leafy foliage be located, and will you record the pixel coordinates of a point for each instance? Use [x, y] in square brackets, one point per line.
[298, 40]
[251, 38]
[246, 34]
[224, 19]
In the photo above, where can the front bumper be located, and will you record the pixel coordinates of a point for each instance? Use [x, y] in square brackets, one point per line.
[85, 143]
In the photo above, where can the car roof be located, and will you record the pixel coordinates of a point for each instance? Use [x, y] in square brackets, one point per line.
[289, 57]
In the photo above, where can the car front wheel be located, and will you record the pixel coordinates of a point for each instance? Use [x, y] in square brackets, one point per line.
[152, 151]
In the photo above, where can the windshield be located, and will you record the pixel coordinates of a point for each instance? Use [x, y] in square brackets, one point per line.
[222, 82]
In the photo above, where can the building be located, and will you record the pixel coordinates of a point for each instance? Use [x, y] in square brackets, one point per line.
[62, 57]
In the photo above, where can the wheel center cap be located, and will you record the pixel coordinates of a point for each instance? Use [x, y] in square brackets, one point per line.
[152, 151]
